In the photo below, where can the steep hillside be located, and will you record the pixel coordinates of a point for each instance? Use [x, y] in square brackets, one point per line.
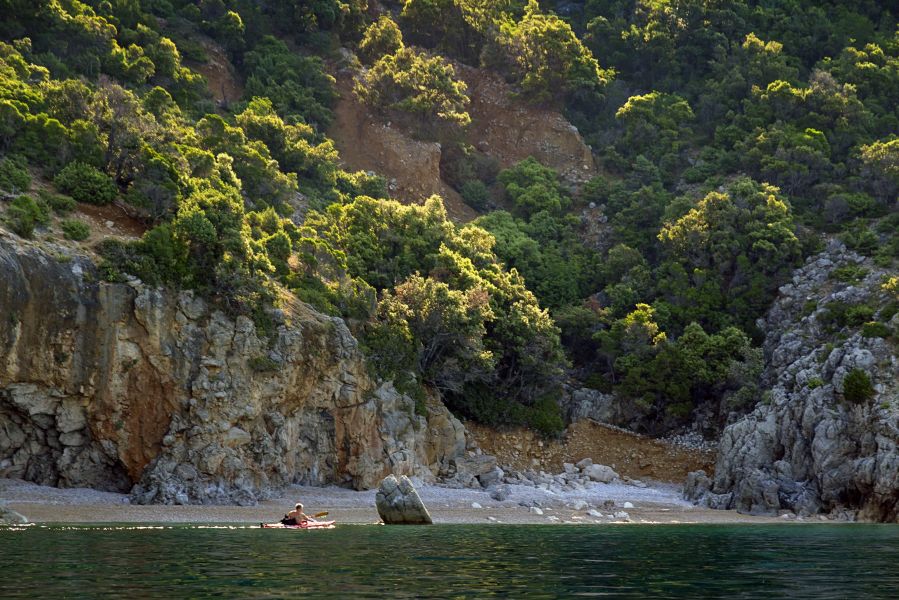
[368, 141]
[504, 128]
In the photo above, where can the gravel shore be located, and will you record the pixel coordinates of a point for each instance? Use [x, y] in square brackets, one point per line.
[658, 503]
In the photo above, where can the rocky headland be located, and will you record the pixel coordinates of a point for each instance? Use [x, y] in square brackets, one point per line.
[824, 437]
[124, 387]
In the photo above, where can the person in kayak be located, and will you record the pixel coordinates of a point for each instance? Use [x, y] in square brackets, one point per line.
[296, 516]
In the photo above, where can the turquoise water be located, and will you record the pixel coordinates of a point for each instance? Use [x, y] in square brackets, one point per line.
[452, 561]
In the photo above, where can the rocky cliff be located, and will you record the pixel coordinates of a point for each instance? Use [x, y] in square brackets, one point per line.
[813, 445]
[125, 387]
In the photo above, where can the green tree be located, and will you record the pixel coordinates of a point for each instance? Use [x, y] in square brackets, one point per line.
[297, 85]
[416, 84]
[380, 38]
[857, 387]
[880, 168]
[655, 125]
[14, 175]
[533, 187]
[445, 327]
[551, 62]
[740, 242]
[457, 28]
[793, 160]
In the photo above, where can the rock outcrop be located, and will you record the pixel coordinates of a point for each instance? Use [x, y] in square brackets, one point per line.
[399, 504]
[110, 386]
[586, 403]
[809, 446]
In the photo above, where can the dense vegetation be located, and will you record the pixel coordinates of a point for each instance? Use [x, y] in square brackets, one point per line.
[732, 136]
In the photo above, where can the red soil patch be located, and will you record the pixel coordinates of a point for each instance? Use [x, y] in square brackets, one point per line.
[112, 220]
[221, 77]
[631, 455]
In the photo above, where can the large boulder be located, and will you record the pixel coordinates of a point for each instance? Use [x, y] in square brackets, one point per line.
[600, 473]
[399, 504]
[473, 471]
[697, 485]
[10, 517]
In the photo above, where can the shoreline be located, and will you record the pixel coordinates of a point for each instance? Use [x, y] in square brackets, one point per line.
[657, 504]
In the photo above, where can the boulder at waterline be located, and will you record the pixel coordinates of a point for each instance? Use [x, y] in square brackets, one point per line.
[10, 517]
[399, 504]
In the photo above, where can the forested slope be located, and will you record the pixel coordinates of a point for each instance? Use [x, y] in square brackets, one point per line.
[731, 138]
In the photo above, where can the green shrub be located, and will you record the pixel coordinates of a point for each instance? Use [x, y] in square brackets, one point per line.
[549, 61]
[857, 315]
[861, 239]
[887, 312]
[128, 258]
[382, 37]
[298, 86]
[14, 175]
[24, 214]
[849, 274]
[874, 329]
[481, 404]
[75, 229]
[263, 364]
[857, 387]
[86, 184]
[475, 194]
[544, 416]
[679, 410]
[417, 84]
[60, 203]
[533, 187]
[809, 307]
[814, 383]
[839, 314]
[598, 382]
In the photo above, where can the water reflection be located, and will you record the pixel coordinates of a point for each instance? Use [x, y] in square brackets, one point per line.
[452, 561]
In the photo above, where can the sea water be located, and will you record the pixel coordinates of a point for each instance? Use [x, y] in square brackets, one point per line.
[452, 561]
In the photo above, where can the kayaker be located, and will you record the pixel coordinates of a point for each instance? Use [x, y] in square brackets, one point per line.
[296, 516]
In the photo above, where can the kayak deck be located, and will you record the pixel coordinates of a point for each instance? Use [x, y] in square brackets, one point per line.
[306, 525]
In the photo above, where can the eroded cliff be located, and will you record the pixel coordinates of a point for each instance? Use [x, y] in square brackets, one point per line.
[111, 386]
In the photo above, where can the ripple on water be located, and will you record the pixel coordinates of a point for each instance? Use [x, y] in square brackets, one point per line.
[466, 561]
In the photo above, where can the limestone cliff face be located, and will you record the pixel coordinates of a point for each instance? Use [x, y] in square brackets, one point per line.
[111, 386]
[806, 447]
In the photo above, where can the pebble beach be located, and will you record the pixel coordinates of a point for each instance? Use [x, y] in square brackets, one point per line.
[599, 504]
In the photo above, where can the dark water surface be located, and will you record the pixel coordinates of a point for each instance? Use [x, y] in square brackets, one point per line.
[452, 561]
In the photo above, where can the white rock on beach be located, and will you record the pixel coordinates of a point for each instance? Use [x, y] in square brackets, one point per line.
[397, 502]
[627, 505]
[535, 511]
[601, 473]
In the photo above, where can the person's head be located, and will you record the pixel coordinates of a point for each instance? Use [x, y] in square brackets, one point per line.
[299, 507]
